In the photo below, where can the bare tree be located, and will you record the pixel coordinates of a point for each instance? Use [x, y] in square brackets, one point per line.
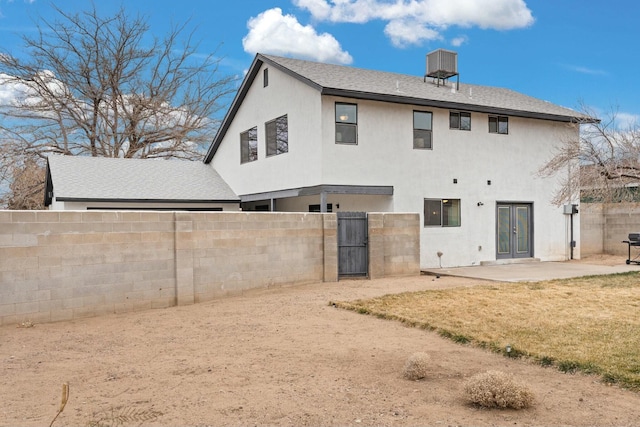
[602, 164]
[103, 86]
[27, 186]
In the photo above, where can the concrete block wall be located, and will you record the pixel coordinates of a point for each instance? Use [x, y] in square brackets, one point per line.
[603, 227]
[401, 243]
[233, 252]
[63, 265]
[591, 229]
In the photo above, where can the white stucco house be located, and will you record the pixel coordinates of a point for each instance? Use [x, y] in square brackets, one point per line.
[87, 183]
[304, 136]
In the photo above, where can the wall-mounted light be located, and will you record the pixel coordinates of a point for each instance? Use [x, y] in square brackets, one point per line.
[480, 204]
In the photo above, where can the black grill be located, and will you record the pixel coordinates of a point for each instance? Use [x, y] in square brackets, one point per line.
[634, 240]
[634, 237]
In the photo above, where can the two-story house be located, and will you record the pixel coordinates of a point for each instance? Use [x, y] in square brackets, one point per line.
[305, 136]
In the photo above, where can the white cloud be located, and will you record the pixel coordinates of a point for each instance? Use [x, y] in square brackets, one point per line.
[459, 41]
[585, 70]
[278, 34]
[627, 120]
[427, 18]
[406, 32]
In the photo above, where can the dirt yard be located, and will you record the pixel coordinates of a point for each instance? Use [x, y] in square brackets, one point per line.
[279, 356]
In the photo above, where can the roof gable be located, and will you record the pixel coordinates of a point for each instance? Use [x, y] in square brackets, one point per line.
[338, 80]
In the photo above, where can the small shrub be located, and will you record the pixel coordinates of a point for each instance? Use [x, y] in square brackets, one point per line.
[417, 366]
[495, 389]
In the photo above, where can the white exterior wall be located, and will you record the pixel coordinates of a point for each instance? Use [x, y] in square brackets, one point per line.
[385, 156]
[297, 168]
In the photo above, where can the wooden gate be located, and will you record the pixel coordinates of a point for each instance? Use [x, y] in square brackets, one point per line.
[353, 259]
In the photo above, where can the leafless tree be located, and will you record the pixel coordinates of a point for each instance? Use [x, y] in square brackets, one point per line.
[103, 86]
[602, 164]
[26, 186]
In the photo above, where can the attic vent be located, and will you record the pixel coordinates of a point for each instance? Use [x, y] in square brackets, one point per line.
[442, 65]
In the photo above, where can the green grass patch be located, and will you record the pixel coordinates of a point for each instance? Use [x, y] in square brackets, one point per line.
[589, 324]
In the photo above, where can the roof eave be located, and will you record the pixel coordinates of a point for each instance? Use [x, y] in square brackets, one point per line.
[127, 200]
[455, 106]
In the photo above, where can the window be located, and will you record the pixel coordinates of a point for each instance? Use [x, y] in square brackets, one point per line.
[277, 132]
[442, 212]
[499, 124]
[249, 145]
[316, 208]
[459, 120]
[422, 130]
[346, 123]
[265, 77]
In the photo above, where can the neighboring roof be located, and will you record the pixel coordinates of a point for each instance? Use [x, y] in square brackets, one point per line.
[79, 178]
[359, 83]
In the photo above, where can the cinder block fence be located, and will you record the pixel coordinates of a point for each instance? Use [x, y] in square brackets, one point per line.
[69, 264]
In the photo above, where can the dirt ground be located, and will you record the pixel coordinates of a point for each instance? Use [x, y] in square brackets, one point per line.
[280, 356]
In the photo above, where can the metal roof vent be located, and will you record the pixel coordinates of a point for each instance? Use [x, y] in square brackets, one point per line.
[442, 65]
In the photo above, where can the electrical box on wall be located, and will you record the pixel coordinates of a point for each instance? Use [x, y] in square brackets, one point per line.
[570, 209]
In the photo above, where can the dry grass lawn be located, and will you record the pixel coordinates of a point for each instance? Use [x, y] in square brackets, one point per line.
[588, 324]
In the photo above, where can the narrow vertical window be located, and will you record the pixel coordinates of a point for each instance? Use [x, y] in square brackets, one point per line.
[249, 145]
[346, 123]
[422, 122]
[277, 133]
[265, 77]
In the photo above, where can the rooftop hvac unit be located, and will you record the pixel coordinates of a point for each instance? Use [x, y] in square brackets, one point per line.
[441, 65]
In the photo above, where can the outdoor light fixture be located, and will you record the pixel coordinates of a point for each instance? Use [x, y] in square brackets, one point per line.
[480, 204]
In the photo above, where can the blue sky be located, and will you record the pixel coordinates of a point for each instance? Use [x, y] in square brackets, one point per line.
[562, 51]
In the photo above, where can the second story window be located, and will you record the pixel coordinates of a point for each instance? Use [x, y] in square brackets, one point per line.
[499, 124]
[422, 122]
[277, 133]
[265, 77]
[346, 123]
[459, 120]
[249, 145]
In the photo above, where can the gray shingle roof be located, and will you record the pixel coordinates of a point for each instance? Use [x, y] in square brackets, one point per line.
[414, 89]
[360, 83]
[100, 178]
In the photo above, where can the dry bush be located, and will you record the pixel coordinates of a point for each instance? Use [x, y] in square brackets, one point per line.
[417, 366]
[495, 389]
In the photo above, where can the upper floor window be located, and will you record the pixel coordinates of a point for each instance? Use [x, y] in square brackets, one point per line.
[346, 123]
[442, 212]
[422, 122]
[265, 77]
[499, 124]
[459, 120]
[277, 132]
[249, 145]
